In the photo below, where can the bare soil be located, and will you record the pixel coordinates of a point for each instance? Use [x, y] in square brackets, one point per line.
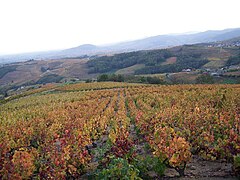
[199, 168]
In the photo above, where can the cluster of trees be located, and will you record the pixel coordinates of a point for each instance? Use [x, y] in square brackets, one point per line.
[51, 78]
[106, 64]
[183, 62]
[6, 69]
[205, 79]
[234, 60]
[151, 59]
[129, 78]
[111, 77]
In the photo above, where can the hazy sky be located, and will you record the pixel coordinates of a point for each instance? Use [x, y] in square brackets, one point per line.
[36, 25]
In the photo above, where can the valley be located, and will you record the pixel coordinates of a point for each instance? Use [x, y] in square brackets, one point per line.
[119, 90]
[167, 113]
[177, 65]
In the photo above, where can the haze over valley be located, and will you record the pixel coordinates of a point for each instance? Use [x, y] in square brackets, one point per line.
[154, 42]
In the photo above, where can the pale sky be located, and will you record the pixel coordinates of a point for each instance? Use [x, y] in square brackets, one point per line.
[37, 25]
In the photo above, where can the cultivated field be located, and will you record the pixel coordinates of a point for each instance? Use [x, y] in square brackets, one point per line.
[119, 130]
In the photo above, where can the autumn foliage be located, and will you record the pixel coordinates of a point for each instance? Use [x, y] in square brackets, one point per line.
[48, 135]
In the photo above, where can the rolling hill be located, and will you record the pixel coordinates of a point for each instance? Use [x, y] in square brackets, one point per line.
[211, 57]
[197, 56]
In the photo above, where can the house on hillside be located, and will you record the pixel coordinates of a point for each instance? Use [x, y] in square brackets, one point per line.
[186, 70]
[215, 74]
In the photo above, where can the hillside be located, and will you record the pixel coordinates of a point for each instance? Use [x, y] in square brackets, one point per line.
[181, 64]
[116, 130]
[157, 61]
[154, 42]
[17, 75]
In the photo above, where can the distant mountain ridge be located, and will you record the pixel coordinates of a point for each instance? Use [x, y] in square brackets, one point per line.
[154, 42]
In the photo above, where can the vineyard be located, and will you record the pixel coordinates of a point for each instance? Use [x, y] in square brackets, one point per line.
[119, 130]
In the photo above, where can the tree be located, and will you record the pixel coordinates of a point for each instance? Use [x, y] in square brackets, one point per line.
[205, 79]
[102, 77]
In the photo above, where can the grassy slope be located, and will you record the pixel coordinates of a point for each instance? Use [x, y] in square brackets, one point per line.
[130, 70]
[170, 60]
[215, 64]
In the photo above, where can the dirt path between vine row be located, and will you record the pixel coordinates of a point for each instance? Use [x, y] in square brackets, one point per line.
[199, 168]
